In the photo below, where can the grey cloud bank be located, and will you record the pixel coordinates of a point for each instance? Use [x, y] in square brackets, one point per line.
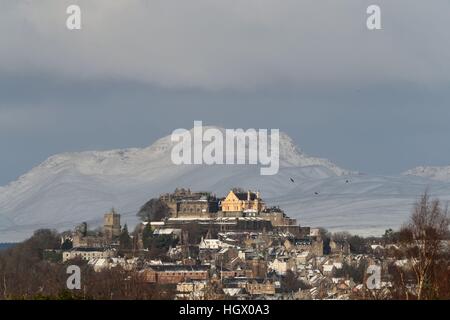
[370, 101]
[230, 44]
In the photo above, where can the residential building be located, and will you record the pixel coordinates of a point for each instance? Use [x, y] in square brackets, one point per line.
[88, 253]
[261, 288]
[173, 274]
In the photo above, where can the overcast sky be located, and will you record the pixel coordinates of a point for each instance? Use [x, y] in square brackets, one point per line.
[372, 101]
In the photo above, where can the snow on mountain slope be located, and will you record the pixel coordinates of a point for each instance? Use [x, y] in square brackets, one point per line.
[435, 173]
[292, 156]
[366, 205]
[73, 187]
[70, 188]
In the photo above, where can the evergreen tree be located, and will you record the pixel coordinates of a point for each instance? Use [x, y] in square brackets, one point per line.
[67, 245]
[125, 239]
[154, 210]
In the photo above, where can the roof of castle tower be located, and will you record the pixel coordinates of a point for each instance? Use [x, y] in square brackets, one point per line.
[243, 196]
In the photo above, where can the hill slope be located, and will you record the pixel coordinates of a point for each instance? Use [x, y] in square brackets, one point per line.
[73, 187]
[435, 173]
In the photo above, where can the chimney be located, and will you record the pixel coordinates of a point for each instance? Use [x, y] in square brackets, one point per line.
[248, 195]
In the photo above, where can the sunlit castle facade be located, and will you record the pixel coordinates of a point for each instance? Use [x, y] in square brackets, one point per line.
[248, 201]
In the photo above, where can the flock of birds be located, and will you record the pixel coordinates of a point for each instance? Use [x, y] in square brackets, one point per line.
[317, 193]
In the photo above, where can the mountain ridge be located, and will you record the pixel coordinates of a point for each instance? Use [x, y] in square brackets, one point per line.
[440, 173]
[69, 188]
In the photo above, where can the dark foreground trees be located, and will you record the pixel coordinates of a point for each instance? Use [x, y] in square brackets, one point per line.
[290, 283]
[24, 274]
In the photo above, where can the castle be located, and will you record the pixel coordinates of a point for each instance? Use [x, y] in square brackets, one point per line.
[239, 210]
[184, 203]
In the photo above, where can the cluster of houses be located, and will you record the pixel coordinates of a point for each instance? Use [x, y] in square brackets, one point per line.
[246, 251]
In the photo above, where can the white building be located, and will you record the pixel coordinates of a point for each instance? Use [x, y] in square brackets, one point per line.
[88, 253]
[281, 266]
[213, 244]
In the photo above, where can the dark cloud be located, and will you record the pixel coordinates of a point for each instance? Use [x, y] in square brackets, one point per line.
[371, 101]
[231, 44]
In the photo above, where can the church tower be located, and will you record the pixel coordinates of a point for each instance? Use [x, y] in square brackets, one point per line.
[111, 227]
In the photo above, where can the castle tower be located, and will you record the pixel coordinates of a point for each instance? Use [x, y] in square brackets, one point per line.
[111, 227]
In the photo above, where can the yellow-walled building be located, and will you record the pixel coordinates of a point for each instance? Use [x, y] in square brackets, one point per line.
[241, 201]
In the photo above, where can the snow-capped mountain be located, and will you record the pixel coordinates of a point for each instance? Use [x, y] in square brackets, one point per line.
[72, 187]
[69, 188]
[435, 173]
[292, 156]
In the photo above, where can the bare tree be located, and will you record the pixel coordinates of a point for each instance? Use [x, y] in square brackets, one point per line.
[423, 237]
[341, 236]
